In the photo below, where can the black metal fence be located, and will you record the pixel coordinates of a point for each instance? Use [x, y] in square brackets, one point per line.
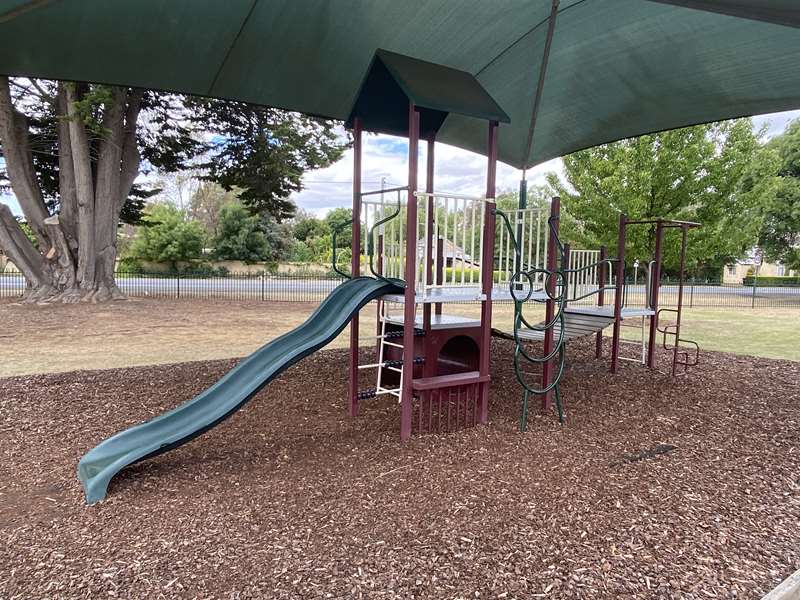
[313, 287]
[266, 287]
[709, 294]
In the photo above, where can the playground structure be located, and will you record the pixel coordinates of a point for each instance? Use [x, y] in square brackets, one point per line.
[581, 279]
[451, 249]
[425, 250]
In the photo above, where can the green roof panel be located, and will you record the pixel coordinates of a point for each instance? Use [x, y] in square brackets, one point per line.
[393, 80]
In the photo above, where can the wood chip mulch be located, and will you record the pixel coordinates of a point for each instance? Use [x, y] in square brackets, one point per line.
[655, 488]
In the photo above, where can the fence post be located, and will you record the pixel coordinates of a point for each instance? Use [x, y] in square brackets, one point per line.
[263, 283]
[755, 284]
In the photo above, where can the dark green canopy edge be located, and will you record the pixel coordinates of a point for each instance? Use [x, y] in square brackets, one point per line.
[616, 68]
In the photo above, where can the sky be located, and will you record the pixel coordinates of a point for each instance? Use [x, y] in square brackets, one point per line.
[457, 171]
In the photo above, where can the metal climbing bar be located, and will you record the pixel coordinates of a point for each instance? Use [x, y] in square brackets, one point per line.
[552, 276]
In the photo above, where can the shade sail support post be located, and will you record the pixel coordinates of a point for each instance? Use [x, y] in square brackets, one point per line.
[410, 307]
[355, 262]
[537, 99]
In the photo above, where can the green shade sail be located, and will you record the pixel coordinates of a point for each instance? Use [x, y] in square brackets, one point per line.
[616, 68]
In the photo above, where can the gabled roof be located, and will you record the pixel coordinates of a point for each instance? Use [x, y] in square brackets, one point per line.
[393, 80]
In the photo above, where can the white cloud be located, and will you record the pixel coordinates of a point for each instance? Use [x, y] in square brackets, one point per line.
[775, 122]
[457, 171]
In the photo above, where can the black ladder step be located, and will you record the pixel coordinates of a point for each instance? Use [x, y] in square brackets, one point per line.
[418, 360]
[398, 334]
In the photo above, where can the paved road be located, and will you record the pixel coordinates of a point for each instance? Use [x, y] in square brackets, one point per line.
[311, 289]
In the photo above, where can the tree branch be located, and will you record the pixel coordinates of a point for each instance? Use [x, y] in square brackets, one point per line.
[19, 163]
[84, 185]
[19, 248]
[131, 158]
[68, 193]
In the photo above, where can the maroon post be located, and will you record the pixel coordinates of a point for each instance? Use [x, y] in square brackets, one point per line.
[681, 274]
[409, 309]
[487, 272]
[550, 306]
[426, 308]
[601, 279]
[355, 262]
[618, 291]
[655, 279]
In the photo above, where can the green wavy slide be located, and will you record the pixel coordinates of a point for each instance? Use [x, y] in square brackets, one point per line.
[212, 406]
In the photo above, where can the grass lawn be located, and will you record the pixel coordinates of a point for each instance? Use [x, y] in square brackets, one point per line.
[767, 332]
[41, 339]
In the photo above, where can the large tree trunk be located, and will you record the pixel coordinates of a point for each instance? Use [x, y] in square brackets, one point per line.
[77, 247]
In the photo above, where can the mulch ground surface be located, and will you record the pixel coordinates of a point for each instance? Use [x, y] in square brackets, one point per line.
[655, 488]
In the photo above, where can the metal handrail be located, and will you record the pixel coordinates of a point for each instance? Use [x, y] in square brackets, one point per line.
[519, 319]
[436, 194]
[610, 261]
[334, 233]
[371, 239]
[399, 188]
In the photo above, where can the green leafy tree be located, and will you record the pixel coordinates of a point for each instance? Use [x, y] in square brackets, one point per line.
[264, 151]
[773, 186]
[72, 153]
[335, 221]
[306, 226]
[250, 238]
[240, 236]
[207, 203]
[690, 174]
[166, 236]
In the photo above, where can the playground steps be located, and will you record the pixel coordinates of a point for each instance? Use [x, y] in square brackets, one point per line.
[447, 381]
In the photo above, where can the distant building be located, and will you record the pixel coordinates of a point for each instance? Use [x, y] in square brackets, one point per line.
[454, 256]
[737, 271]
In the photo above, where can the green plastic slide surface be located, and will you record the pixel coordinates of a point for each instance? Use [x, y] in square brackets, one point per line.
[212, 406]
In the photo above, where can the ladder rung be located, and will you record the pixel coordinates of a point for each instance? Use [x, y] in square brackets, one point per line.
[388, 364]
[633, 360]
[395, 392]
[400, 333]
[393, 344]
[395, 369]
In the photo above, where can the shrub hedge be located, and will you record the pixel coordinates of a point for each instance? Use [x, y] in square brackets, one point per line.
[772, 281]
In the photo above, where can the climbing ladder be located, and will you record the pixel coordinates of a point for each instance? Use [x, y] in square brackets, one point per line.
[673, 330]
[388, 339]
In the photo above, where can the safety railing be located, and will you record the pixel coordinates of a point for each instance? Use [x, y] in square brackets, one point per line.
[454, 223]
[383, 220]
[528, 226]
